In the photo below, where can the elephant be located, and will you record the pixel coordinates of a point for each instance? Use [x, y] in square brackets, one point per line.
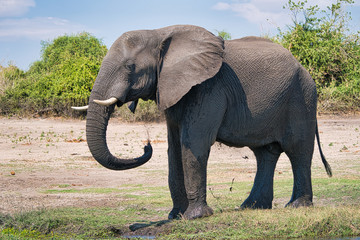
[244, 92]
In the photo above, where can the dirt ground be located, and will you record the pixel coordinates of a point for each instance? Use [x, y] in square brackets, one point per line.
[37, 155]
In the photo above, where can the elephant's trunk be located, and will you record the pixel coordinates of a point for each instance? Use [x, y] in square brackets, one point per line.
[96, 124]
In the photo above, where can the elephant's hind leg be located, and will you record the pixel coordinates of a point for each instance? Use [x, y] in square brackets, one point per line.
[302, 191]
[261, 194]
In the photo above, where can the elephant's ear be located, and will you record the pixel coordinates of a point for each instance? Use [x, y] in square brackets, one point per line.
[189, 56]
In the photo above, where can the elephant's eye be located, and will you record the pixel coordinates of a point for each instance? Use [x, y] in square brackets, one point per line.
[130, 67]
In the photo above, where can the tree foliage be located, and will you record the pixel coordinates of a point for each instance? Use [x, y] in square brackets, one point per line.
[8, 75]
[321, 41]
[224, 35]
[63, 77]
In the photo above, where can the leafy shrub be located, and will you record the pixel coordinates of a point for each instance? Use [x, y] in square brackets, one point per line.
[322, 43]
[63, 77]
[342, 98]
[224, 35]
[146, 111]
[9, 76]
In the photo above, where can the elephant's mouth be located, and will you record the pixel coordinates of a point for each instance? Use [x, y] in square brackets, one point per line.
[119, 104]
[132, 105]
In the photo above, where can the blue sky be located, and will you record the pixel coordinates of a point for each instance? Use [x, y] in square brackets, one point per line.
[25, 23]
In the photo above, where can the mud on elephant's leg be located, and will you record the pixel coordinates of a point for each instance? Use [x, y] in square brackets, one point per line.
[261, 194]
[176, 174]
[195, 183]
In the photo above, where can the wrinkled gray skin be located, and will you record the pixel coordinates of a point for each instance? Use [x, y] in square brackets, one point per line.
[244, 92]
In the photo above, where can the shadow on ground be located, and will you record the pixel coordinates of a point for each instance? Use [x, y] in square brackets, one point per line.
[145, 230]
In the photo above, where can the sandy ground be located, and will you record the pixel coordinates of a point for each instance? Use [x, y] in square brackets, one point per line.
[37, 155]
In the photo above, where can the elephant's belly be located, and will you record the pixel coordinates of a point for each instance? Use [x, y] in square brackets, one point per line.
[232, 143]
[246, 137]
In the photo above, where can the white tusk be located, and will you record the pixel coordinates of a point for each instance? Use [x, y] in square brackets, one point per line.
[107, 102]
[83, 108]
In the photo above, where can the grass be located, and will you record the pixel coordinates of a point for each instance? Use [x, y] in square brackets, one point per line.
[71, 222]
[144, 209]
[82, 191]
[317, 222]
[280, 223]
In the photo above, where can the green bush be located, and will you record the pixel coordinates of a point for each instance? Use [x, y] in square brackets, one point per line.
[224, 35]
[63, 77]
[342, 98]
[9, 76]
[146, 111]
[323, 45]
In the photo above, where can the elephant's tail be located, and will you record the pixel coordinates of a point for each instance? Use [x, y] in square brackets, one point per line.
[326, 164]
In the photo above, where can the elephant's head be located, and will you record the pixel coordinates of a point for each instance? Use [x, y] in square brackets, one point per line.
[162, 64]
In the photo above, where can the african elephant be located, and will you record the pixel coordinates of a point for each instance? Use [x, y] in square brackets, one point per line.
[244, 92]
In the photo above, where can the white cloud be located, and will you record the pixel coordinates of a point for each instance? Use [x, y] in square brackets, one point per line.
[222, 6]
[38, 28]
[41, 28]
[13, 8]
[267, 14]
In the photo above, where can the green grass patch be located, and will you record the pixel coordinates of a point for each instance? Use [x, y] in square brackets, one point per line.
[64, 185]
[144, 209]
[14, 234]
[272, 224]
[77, 223]
[84, 191]
[125, 189]
[72, 222]
[327, 191]
[334, 189]
[338, 189]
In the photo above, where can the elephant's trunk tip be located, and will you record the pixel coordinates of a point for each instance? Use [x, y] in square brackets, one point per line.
[148, 146]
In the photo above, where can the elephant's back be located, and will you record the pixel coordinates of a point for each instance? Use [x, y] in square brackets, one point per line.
[267, 72]
[251, 39]
[255, 54]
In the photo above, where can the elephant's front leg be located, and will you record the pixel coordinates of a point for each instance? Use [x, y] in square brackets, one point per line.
[195, 164]
[176, 174]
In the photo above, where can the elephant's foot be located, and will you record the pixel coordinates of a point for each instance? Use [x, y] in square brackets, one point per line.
[304, 201]
[255, 204]
[198, 211]
[175, 213]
